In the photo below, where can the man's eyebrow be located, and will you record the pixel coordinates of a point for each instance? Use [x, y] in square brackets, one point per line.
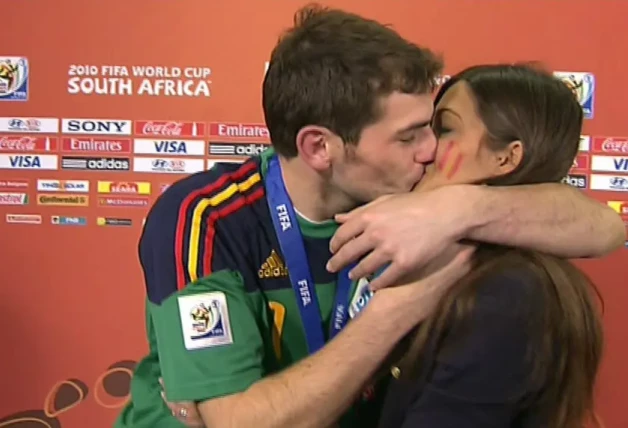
[415, 125]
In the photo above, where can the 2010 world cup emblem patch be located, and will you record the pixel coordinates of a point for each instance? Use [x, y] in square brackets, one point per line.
[205, 320]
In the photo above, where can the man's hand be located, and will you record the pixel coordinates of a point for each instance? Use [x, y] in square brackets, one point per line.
[422, 290]
[406, 231]
[185, 411]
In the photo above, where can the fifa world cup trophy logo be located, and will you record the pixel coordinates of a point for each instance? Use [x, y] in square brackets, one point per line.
[9, 76]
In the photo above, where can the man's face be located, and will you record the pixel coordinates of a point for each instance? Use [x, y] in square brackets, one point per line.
[392, 152]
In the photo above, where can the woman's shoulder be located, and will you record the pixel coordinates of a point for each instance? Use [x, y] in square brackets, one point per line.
[518, 286]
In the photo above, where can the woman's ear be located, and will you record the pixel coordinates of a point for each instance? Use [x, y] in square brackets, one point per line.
[509, 158]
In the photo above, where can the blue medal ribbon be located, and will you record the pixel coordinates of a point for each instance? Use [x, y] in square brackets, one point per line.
[291, 242]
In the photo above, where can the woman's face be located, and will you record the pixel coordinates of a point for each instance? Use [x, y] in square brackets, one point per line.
[462, 156]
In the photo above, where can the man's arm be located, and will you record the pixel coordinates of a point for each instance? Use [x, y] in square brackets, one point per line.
[404, 232]
[318, 390]
[552, 218]
[315, 392]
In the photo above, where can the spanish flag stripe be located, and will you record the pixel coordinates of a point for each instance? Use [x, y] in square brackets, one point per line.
[225, 211]
[185, 222]
[197, 218]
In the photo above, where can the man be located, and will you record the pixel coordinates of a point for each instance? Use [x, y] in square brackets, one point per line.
[231, 255]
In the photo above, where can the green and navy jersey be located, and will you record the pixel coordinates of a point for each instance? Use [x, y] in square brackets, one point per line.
[221, 312]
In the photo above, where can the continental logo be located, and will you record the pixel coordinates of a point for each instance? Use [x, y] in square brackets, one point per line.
[62, 200]
[273, 267]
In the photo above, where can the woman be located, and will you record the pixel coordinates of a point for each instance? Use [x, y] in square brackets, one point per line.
[518, 343]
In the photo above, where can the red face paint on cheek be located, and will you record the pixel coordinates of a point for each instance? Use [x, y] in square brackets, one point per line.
[442, 163]
[455, 166]
[451, 161]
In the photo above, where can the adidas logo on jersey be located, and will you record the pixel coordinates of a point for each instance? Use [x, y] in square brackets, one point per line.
[273, 267]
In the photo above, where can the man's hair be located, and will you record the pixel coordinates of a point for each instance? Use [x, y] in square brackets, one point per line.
[332, 68]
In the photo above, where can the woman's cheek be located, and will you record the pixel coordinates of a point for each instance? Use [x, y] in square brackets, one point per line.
[451, 161]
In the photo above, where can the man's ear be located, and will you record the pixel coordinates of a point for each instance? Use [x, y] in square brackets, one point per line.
[313, 146]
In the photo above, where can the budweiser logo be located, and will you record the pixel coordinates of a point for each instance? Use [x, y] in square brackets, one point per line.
[18, 143]
[164, 128]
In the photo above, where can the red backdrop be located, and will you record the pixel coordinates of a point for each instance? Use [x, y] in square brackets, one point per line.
[71, 288]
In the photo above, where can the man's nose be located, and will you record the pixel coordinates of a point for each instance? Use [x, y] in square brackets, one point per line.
[427, 150]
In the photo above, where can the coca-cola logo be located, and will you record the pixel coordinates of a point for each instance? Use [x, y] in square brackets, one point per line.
[615, 146]
[166, 128]
[18, 144]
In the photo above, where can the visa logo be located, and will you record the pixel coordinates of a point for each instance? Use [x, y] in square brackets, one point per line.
[171, 147]
[25, 161]
[621, 164]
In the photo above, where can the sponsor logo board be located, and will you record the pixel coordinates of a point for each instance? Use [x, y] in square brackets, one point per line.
[14, 184]
[576, 180]
[620, 207]
[33, 125]
[62, 200]
[113, 221]
[96, 126]
[125, 187]
[610, 145]
[27, 144]
[144, 146]
[95, 163]
[122, 201]
[609, 163]
[167, 165]
[614, 183]
[61, 220]
[11, 198]
[26, 161]
[80, 186]
[95, 144]
[170, 128]
[23, 218]
[249, 131]
[238, 150]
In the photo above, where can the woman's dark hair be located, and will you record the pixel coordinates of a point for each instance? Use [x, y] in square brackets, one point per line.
[521, 102]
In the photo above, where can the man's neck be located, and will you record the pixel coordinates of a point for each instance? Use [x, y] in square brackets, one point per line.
[310, 194]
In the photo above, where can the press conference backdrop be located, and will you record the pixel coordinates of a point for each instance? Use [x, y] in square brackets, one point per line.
[103, 104]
